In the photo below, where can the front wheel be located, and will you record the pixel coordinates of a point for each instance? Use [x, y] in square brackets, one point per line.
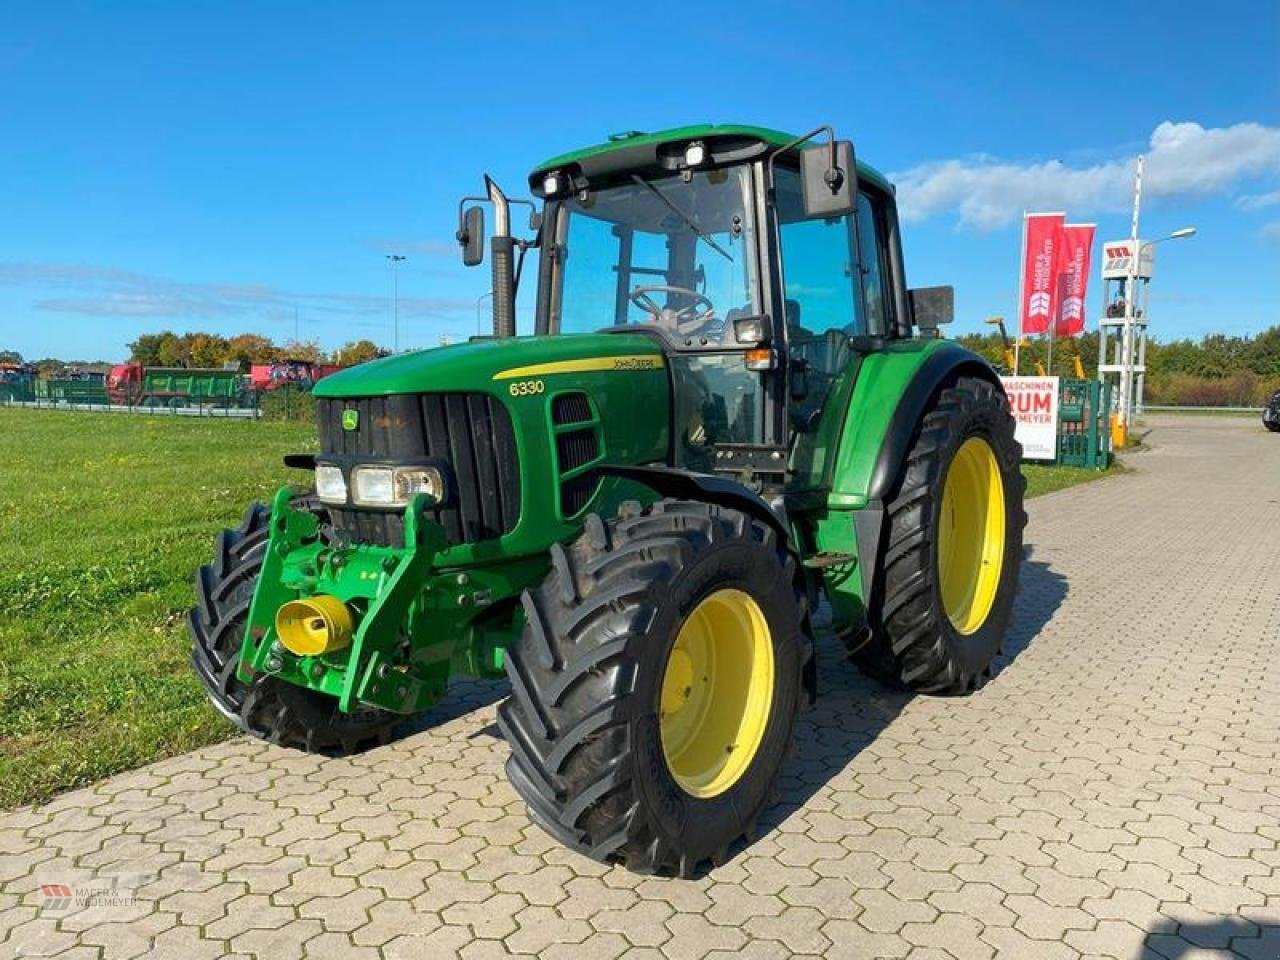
[268, 708]
[953, 546]
[655, 686]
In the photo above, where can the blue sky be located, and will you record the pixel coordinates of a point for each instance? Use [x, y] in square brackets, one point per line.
[219, 165]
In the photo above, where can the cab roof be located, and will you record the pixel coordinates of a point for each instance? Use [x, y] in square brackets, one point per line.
[636, 148]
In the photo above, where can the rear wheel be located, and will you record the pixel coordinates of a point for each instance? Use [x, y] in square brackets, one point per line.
[655, 686]
[953, 547]
[267, 708]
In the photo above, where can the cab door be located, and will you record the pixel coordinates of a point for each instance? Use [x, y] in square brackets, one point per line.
[837, 304]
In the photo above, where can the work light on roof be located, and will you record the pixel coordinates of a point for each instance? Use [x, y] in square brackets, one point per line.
[695, 153]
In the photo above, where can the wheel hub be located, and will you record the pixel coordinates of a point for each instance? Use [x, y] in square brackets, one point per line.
[971, 535]
[717, 691]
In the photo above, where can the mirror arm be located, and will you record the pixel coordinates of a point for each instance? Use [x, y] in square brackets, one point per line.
[833, 172]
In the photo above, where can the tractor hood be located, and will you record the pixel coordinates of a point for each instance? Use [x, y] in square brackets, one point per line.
[492, 365]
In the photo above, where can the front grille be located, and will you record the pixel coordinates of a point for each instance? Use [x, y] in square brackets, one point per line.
[577, 448]
[570, 408]
[471, 432]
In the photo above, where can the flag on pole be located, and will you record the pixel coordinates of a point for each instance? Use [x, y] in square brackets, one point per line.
[1040, 271]
[1074, 249]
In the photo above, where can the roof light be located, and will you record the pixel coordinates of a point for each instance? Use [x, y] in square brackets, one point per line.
[694, 154]
[551, 184]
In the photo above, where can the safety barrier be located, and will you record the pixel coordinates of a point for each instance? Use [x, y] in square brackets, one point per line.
[1084, 412]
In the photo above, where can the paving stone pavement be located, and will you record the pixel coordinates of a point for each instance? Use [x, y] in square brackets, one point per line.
[1113, 792]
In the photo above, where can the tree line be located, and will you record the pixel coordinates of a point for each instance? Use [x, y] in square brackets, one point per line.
[169, 349]
[1215, 370]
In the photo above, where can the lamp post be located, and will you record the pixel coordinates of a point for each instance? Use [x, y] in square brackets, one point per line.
[395, 259]
[1130, 315]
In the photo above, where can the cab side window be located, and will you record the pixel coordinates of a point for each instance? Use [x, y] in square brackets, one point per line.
[873, 238]
[819, 262]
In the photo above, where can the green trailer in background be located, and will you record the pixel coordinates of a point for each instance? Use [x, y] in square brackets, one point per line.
[132, 384]
[71, 390]
[194, 386]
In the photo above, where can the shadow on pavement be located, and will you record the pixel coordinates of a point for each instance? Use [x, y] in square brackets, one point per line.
[1041, 591]
[1223, 936]
[851, 710]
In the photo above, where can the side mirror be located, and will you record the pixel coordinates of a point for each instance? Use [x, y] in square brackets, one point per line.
[471, 236]
[931, 307]
[828, 179]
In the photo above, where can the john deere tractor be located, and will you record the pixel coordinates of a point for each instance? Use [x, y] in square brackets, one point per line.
[733, 418]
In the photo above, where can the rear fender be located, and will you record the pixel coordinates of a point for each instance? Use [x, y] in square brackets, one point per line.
[894, 390]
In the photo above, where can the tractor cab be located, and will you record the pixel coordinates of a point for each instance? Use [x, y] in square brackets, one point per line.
[762, 263]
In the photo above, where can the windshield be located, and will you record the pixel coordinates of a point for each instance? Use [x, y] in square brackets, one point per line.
[663, 252]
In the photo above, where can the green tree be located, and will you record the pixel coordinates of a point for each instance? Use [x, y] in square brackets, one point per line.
[250, 348]
[357, 351]
[207, 350]
[308, 350]
[10, 356]
[146, 349]
[173, 350]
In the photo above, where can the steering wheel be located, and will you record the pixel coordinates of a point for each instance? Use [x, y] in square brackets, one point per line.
[685, 321]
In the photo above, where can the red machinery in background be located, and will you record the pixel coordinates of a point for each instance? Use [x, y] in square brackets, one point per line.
[264, 377]
[133, 384]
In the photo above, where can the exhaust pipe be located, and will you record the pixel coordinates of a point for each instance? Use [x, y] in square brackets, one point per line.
[314, 626]
[502, 246]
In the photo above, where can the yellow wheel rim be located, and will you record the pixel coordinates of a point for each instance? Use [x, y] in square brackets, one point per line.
[971, 535]
[717, 689]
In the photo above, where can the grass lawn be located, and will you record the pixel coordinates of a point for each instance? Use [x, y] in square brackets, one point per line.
[1046, 479]
[1204, 412]
[103, 521]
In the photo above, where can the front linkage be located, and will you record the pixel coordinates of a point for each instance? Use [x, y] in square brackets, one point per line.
[336, 617]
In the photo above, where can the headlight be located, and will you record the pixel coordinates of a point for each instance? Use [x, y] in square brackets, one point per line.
[395, 486]
[330, 485]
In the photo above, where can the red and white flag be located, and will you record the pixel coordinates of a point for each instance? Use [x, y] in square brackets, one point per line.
[1042, 233]
[1074, 250]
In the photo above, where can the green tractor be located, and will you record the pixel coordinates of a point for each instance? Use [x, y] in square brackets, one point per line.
[733, 417]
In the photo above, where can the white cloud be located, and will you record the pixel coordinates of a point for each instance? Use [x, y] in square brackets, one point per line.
[110, 291]
[1258, 201]
[1184, 159]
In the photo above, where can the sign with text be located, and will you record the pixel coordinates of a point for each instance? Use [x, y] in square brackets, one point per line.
[1073, 277]
[1042, 233]
[1034, 402]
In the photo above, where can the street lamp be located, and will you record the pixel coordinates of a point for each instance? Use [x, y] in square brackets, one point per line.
[1179, 234]
[1130, 316]
[396, 260]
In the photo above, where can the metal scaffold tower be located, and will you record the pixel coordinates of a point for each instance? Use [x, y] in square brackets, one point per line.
[1127, 267]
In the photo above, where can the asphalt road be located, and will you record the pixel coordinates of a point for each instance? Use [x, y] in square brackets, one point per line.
[1115, 791]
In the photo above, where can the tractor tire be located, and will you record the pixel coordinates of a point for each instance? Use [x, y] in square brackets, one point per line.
[268, 708]
[952, 547]
[615, 746]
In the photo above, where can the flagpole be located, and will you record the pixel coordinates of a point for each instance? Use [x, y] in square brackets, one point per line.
[1022, 279]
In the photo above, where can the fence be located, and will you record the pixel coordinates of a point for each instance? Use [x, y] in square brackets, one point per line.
[1084, 421]
[286, 402]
